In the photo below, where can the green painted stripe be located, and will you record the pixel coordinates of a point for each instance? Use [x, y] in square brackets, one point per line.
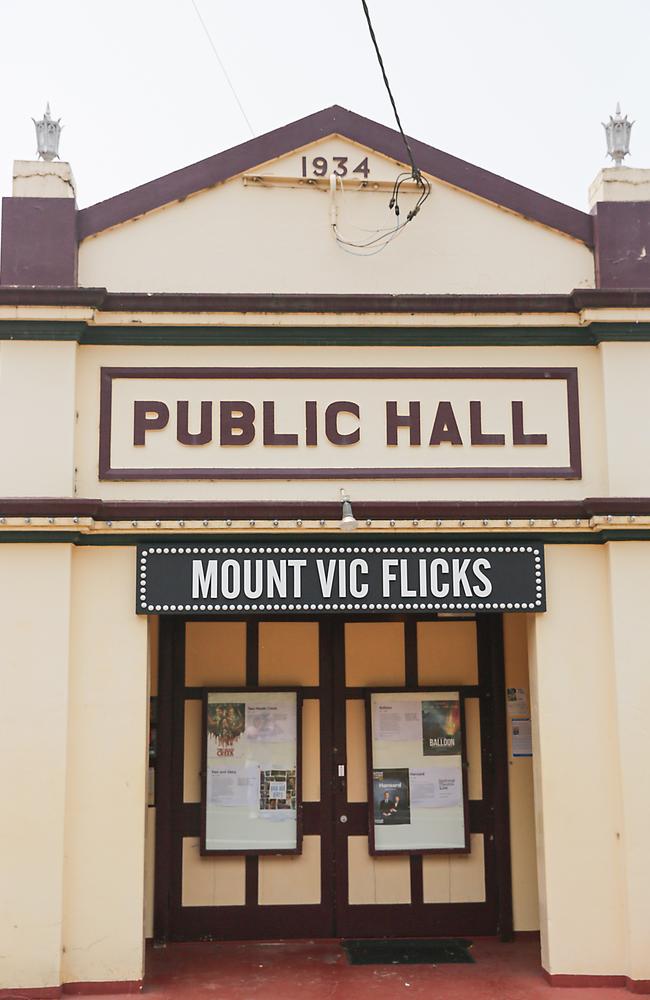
[41, 330]
[543, 538]
[197, 336]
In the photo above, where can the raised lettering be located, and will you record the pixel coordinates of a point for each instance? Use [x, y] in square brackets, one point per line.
[236, 422]
[476, 430]
[395, 420]
[183, 435]
[148, 415]
[311, 426]
[445, 427]
[271, 437]
[518, 435]
[331, 423]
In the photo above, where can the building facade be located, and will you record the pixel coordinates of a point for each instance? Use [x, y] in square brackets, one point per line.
[194, 375]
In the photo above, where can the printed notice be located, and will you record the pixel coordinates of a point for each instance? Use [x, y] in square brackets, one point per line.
[434, 787]
[391, 796]
[441, 733]
[270, 723]
[522, 738]
[232, 786]
[398, 721]
[517, 701]
[277, 792]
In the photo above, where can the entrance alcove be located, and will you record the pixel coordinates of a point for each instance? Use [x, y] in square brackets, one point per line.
[335, 887]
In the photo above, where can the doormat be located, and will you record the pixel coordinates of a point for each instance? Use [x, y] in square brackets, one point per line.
[395, 952]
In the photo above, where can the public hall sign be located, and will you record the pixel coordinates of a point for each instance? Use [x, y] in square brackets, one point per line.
[338, 423]
[203, 579]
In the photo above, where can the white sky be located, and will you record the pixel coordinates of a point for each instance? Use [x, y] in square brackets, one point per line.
[519, 87]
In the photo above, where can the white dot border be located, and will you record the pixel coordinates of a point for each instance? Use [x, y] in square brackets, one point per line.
[536, 551]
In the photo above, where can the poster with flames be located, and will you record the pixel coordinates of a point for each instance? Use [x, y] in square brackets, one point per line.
[250, 792]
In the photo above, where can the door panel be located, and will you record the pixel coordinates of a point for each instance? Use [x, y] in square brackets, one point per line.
[447, 894]
[245, 897]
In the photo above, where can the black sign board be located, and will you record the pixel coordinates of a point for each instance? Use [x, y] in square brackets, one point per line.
[216, 579]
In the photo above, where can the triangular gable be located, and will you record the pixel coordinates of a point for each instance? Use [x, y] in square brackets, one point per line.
[335, 120]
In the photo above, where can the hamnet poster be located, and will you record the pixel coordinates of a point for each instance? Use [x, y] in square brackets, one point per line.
[417, 777]
[250, 788]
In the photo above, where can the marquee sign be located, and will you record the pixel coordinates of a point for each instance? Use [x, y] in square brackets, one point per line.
[338, 423]
[203, 579]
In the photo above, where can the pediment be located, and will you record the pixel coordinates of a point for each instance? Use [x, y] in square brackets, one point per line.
[268, 216]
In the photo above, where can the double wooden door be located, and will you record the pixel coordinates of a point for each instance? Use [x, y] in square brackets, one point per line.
[334, 888]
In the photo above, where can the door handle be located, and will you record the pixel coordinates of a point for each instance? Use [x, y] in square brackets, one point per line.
[341, 770]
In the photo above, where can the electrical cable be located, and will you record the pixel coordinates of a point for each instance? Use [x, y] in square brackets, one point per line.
[223, 68]
[386, 236]
[416, 172]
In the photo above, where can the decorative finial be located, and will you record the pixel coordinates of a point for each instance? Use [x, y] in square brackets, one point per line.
[48, 133]
[618, 130]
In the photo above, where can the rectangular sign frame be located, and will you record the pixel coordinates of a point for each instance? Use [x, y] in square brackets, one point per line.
[215, 579]
[416, 693]
[109, 472]
[243, 696]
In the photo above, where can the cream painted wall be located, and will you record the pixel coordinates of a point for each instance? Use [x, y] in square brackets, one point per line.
[525, 901]
[239, 237]
[625, 369]
[107, 769]
[586, 359]
[629, 563]
[576, 768]
[35, 627]
[37, 418]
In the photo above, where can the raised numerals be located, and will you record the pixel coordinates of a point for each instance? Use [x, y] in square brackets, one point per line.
[320, 166]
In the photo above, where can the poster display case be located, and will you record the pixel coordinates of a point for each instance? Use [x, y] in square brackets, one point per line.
[417, 782]
[250, 783]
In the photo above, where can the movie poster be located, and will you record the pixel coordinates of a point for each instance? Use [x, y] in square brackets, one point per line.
[441, 733]
[250, 772]
[391, 796]
[416, 772]
[226, 723]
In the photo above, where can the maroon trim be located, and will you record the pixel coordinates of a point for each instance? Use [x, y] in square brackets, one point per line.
[100, 989]
[26, 295]
[191, 510]
[39, 242]
[622, 239]
[570, 375]
[637, 985]
[106, 988]
[126, 510]
[37, 992]
[200, 302]
[563, 979]
[216, 169]
[355, 303]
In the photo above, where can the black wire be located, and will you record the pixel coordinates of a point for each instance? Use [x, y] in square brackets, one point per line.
[415, 172]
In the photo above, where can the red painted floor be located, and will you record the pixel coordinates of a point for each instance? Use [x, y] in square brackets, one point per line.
[318, 970]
